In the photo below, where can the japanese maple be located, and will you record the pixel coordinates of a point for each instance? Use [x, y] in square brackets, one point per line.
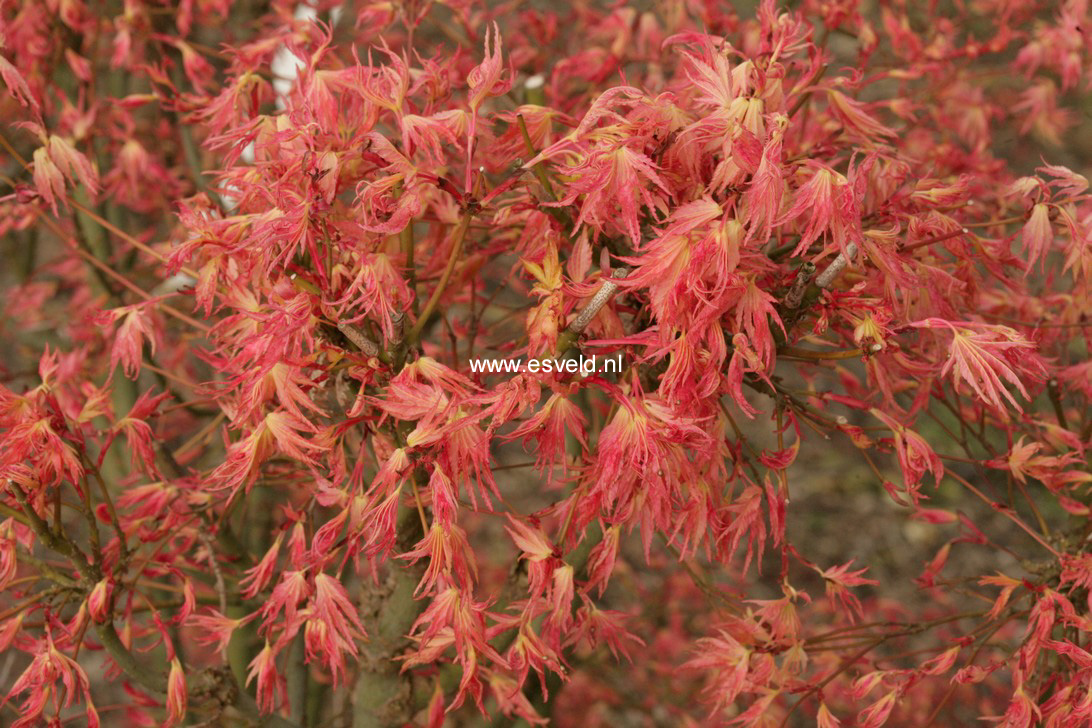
[249, 475]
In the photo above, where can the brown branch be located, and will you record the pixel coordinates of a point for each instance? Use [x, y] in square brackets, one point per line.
[937, 239]
[809, 355]
[799, 287]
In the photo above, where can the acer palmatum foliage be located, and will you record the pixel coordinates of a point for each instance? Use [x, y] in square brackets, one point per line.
[249, 477]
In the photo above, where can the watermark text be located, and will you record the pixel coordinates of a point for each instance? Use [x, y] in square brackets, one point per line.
[584, 366]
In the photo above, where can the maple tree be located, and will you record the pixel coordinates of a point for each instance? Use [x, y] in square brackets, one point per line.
[248, 475]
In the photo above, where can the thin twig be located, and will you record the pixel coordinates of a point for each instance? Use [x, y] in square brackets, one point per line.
[1005, 511]
[538, 168]
[215, 565]
[937, 239]
[414, 334]
[405, 239]
[806, 94]
[122, 279]
[110, 509]
[53, 541]
[130, 239]
[809, 355]
[845, 665]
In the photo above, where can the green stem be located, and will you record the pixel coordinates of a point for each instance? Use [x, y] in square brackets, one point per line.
[53, 541]
[538, 169]
[414, 334]
[405, 240]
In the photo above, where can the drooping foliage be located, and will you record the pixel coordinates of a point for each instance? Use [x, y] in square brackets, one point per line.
[287, 433]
